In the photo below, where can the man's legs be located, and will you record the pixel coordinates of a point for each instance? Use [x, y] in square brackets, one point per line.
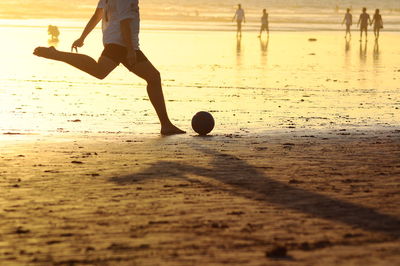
[376, 32]
[83, 62]
[363, 29]
[348, 31]
[239, 27]
[148, 72]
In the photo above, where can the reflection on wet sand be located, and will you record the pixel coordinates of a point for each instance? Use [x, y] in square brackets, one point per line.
[53, 42]
[238, 45]
[264, 50]
[264, 46]
[376, 53]
[238, 49]
[363, 52]
[347, 47]
[347, 53]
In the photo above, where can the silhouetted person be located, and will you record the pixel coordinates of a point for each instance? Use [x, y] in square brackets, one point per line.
[121, 22]
[348, 19]
[53, 32]
[264, 23]
[378, 23]
[363, 23]
[240, 18]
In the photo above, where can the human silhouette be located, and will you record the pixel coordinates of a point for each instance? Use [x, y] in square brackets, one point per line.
[264, 23]
[348, 19]
[120, 25]
[240, 18]
[363, 23]
[53, 32]
[378, 23]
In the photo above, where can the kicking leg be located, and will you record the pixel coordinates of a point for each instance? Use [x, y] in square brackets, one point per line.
[148, 72]
[83, 62]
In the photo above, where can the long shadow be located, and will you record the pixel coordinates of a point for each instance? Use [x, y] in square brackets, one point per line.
[247, 181]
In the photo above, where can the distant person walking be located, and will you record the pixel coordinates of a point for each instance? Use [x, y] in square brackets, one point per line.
[121, 23]
[240, 18]
[363, 22]
[264, 23]
[378, 23]
[348, 19]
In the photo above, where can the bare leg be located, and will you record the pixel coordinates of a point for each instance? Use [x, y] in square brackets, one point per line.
[148, 72]
[83, 62]
[240, 28]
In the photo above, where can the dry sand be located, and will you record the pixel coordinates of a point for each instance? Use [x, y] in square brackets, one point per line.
[294, 198]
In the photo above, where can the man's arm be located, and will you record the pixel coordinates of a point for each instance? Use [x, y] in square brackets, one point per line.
[94, 20]
[359, 20]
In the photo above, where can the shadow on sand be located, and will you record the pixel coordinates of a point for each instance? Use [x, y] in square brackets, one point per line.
[251, 183]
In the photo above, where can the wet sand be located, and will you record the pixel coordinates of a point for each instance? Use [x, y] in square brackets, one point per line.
[288, 198]
[248, 85]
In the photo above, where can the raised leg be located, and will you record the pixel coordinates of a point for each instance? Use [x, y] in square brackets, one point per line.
[83, 62]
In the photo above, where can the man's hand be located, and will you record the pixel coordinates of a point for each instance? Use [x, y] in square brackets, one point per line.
[76, 44]
[131, 58]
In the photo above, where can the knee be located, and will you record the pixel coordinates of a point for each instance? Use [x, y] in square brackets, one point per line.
[101, 74]
[154, 78]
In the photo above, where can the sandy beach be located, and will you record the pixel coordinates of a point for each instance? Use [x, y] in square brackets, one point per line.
[329, 198]
[302, 168]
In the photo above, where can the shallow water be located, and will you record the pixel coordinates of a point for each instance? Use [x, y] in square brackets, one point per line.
[284, 83]
[211, 14]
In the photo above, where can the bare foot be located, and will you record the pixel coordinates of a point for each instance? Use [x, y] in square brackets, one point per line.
[171, 130]
[46, 52]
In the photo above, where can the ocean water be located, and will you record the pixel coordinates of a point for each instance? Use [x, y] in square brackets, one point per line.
[217, 14]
